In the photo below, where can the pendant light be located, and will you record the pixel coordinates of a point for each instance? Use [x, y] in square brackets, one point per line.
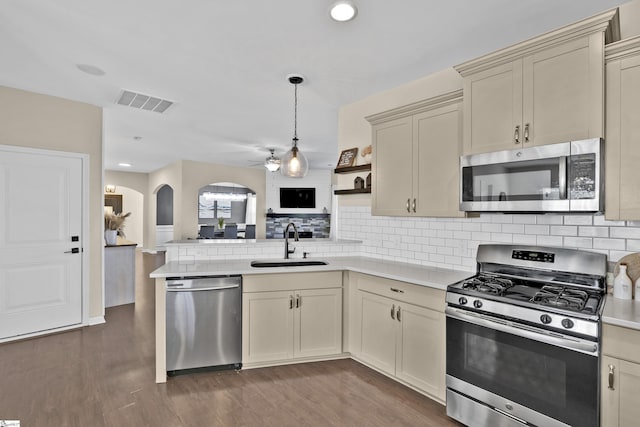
[294, 164]
[272, 163]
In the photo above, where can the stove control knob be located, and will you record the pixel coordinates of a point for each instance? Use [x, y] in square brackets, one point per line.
[462, 300]
[545, 318]
[567, 323]
[477, 303]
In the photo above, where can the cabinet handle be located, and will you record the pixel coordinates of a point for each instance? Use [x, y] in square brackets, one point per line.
[399, 291]
[393, 312]
[611, 369]
[408, 205]
[298, 301]
[414, 205]
[516, 135]
[398, 314]
[290, 302]
[526, 133]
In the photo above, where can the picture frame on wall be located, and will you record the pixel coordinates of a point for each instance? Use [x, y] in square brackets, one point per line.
[347, 158]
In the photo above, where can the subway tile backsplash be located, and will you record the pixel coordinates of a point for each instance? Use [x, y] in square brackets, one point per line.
[453, 242]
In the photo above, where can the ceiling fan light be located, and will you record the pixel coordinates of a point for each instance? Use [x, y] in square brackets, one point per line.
[343, 11]
[272, 163]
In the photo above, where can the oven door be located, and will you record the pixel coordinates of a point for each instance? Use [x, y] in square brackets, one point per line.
[522, 372]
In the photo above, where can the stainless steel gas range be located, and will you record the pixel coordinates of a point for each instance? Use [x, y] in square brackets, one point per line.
[523, 338]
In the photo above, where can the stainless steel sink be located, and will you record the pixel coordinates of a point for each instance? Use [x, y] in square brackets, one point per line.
[287, 263]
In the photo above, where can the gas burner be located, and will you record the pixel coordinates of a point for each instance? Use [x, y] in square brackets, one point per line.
[558, 296]
[487, 284]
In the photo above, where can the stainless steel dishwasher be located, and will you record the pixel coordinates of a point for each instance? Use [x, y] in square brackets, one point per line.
[204, 323]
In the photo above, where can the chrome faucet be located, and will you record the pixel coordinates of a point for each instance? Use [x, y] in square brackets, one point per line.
[286, 239]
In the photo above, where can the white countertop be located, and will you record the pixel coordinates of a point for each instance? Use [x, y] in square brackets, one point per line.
[618, 312]
[432, 277]
[235, 242]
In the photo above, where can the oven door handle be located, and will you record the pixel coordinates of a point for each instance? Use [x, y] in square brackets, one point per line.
[541, 335]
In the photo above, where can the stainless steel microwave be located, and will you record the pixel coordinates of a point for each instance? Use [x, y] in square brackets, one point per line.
[566, 177]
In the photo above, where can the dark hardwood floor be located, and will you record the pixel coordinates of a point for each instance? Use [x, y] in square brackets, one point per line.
[104, 376]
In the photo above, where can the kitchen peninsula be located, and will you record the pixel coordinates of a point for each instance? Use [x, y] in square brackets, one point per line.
[360, 286]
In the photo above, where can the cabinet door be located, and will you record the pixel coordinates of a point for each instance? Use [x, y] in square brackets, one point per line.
[619, 405]
[420, 357]
[438, 144]
[563, 91]
[392, 167]
[493, 108]
[378, 332]
[318, 322]
[623, 151]
[267, 326]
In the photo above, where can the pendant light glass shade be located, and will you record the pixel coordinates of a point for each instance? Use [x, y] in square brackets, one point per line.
[294, 164]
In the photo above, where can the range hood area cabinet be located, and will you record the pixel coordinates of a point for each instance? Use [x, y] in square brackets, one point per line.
[622, 173]
[546, 90]
[416, 150]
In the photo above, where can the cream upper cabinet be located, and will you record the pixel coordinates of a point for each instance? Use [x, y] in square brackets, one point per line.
[291, 316]
[400, 330]
[493, 108]
[623, 127]
[546, 90]
[392, 170]
[620, 381]
[415, 163]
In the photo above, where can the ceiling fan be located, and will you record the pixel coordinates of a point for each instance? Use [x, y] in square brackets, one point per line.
[272, 163]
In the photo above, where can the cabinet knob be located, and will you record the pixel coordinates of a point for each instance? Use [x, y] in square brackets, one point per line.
[408, 205]
[526, 133]
[516, 135]
[398, 314]
[393, 312]
[290, 302]
[414, 205]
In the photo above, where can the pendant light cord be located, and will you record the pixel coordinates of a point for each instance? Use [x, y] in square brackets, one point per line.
[295, 115]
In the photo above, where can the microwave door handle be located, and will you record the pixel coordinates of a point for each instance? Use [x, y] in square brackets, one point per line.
[562, 176]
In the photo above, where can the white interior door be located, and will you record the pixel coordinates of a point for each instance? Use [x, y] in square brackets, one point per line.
[40, 213]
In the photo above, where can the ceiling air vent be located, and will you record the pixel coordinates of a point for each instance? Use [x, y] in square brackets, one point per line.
[144, 102]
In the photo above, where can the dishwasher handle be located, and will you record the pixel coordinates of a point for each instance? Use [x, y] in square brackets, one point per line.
[211, 288]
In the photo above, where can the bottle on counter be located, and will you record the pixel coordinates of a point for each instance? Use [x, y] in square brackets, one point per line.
[622, 286]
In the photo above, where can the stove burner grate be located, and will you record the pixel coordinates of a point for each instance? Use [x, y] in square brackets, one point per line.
[561, 297]
[487, 284]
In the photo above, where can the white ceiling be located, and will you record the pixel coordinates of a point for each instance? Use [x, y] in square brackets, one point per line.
[225, 64]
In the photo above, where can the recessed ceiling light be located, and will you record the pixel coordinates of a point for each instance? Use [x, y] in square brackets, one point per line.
[124, 165]
[343, 11]
[91, 69]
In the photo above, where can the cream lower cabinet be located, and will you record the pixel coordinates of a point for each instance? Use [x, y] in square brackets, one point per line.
[623, 127]
[415, 162]
[296, 323]
[620, 381]
[404, 340]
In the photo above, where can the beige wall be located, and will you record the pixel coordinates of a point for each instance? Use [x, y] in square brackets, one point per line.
[170, 175]
[39, 121]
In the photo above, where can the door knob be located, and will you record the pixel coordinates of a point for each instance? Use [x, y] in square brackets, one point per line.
[73, 251]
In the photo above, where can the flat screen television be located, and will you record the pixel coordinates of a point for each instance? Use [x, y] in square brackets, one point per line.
[297, 197]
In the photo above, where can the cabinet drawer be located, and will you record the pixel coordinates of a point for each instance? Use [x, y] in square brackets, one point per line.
[291, 281]
[620, 342]
[402, 291]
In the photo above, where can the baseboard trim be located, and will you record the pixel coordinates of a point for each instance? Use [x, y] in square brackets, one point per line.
[98, 320]
[294, 361]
